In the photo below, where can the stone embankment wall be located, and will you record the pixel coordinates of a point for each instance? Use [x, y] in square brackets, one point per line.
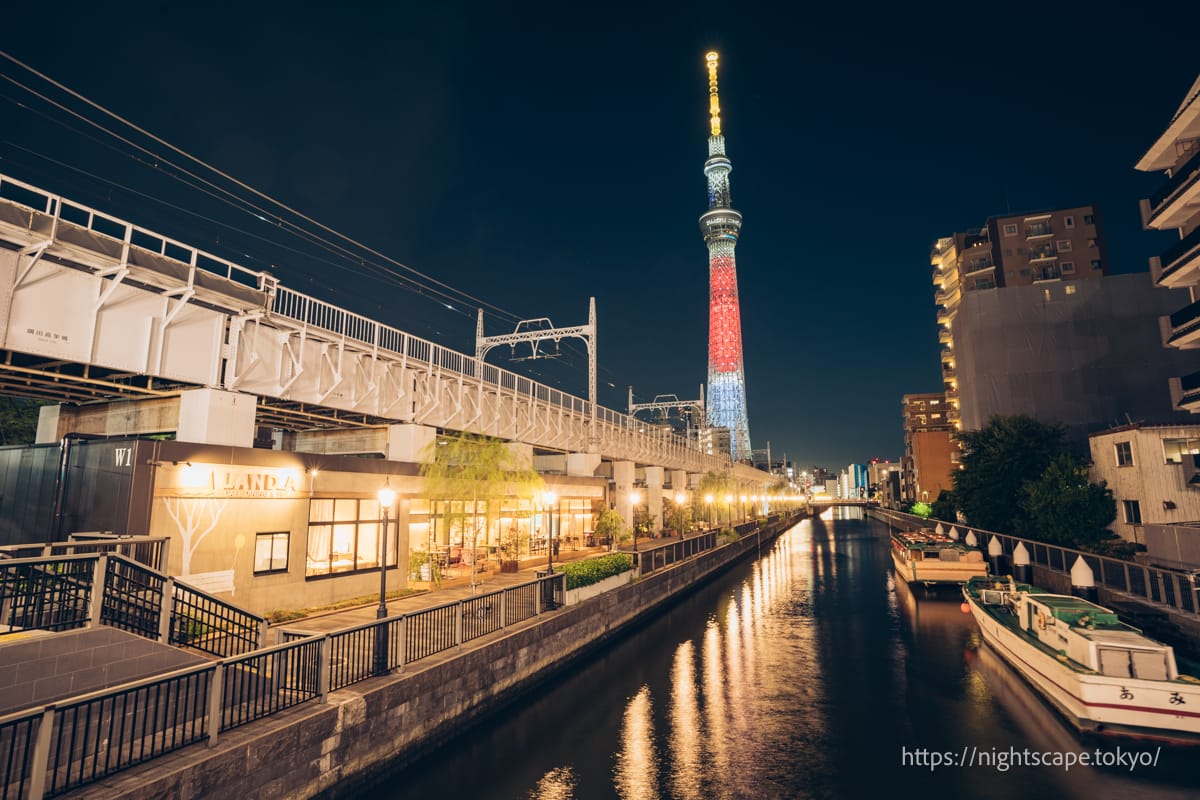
[332, 750]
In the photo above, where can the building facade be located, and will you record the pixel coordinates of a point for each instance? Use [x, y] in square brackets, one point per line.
[930, 452]
[1176, 206]
[1154, 474]
[1086, 354]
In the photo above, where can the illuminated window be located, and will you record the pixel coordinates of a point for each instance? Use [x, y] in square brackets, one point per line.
[1124, 454]
[271, 552]
[1175, 449]
[1064, 245]
[1133, 511]
[343, 536]
[1070, 287]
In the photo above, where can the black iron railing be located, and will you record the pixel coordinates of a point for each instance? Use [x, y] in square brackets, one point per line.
[132, 598]
[268, 681]
[103, 733]
[205, 623]
[18, 735]
[1168, 587]
[53, 594]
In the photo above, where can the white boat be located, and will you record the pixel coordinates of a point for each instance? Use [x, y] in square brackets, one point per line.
[931, 557]
[1103, 676]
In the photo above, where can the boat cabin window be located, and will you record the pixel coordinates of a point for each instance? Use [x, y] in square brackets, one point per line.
[1150, 665]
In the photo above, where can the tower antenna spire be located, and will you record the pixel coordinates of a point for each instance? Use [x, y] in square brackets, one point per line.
[714, 102]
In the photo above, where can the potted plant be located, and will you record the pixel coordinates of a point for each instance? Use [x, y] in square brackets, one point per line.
[510, 549]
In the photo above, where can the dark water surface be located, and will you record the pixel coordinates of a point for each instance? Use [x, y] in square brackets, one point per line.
[809, 673]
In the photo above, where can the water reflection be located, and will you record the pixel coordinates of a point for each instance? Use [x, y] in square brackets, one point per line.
[686, 740]
[804, 674]
[636, 771]
[557, 784]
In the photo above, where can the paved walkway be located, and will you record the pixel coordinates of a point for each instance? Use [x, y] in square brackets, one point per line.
[456, 586]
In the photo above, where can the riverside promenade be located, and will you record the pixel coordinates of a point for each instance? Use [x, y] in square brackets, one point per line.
[331, 748]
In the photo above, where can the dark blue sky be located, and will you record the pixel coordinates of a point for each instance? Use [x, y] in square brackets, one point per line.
[535, 155]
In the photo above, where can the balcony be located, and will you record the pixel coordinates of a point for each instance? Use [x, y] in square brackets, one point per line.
[944, 336]
[1168, 207]
[943, 316]
[1190, 396]
[1038, 230]
[1179, 264]
[973, 267]
[1047, 273]
[1045, 253]
[1185, 327]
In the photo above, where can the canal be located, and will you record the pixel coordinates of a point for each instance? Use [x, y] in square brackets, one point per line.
[807, 673]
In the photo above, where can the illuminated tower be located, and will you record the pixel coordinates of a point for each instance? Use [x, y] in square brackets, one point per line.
[720, 226]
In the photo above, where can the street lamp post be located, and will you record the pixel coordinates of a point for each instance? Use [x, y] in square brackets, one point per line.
[742, 507]
[680, 497]
[548, 500]
[708, 501]
[386, 497]
[635, 500]
[729, 508]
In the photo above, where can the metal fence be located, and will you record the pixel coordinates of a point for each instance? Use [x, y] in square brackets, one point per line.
[148, 550]
[381, 646]
[60, 593]
[1174, 588]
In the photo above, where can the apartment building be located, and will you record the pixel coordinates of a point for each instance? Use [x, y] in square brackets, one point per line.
[930, 453]
[1176, 206]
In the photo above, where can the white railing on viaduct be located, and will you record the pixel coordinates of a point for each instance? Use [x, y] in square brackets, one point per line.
[84, 287]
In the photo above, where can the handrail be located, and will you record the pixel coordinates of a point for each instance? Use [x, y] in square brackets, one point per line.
[313, 314]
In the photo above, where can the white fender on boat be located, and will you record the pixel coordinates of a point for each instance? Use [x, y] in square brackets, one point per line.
[994, 548]
[971, 540]
[939, 530]
[1020, 555]
[1081, 574]
[954, 533]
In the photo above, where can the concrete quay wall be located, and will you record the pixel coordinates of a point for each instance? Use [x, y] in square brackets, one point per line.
[334, 749]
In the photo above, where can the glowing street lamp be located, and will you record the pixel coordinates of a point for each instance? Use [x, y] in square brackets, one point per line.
[548, 500]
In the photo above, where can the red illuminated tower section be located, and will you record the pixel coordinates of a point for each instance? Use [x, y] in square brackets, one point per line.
[720, 226]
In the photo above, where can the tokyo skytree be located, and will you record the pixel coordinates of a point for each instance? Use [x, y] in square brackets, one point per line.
[720, 226]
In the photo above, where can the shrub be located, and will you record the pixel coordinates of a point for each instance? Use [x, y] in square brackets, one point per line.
[727, 535]
[594, 570]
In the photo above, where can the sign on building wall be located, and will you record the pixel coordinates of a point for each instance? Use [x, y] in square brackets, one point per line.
[224, 481]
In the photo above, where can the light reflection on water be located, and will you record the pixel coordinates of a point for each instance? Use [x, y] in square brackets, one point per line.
[800, 675]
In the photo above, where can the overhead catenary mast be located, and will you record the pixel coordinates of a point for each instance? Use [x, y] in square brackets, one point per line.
[720, 226]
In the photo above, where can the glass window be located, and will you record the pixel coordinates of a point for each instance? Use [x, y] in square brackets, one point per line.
[1069, 222]
[1070, 288]
[1175, 449]
[271, 552]
[1064, 245]
[1095, 265]
[343, 536]
[1124, 454]
[1133, 511]
[1010, 230]
[1088, 219]
[1068, 266]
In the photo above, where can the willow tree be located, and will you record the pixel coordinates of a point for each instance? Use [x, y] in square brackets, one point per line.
[469, 473]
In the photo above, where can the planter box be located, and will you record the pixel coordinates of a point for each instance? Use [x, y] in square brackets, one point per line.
[509, 565]
[584, 592]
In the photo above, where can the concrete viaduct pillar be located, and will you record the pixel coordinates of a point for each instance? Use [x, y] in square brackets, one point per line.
[654, 496]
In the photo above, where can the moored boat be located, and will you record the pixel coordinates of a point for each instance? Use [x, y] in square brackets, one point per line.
[1103, 676]
[932, 557]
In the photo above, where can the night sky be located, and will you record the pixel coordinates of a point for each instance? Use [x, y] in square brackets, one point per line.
[528, 157]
